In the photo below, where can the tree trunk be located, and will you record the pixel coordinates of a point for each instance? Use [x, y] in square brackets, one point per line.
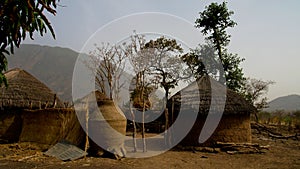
[167, 134]
[86, 146]
[134, 128]
[220, 54]
[143, 127]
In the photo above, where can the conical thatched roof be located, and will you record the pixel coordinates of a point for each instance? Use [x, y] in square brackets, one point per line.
[235, 103]
[25, 91]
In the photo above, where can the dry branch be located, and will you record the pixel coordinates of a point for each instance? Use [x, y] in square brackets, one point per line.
[295, 136]
[241, 148]
[272, 134]
[261, 127]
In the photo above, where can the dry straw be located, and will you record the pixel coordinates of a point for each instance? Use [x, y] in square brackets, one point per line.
[25, 91]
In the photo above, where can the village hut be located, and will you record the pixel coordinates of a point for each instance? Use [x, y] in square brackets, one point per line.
[234, 125]
[23, 92]
[31, 112]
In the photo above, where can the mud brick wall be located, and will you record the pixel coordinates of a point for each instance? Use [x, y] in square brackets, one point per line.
[232, 128]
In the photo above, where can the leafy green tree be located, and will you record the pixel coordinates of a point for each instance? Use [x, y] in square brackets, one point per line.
[214, 21]
[234, 75]
[19, 18]
[202, 61]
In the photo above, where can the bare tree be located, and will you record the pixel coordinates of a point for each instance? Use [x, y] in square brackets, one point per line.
[107, 63]
[255, 91]
[141, 86]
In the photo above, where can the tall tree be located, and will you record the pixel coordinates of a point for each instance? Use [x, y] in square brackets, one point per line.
[166, 66]
[140, 86]
[17, 18]
[214, 21]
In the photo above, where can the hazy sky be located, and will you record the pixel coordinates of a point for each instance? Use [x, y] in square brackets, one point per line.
[267, 34]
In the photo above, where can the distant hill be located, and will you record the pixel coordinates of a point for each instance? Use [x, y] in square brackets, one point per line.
[51, 65]
[287, 103]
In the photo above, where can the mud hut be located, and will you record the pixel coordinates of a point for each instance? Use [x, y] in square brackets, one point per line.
[31, 112]
[234, 125]
[23, 92]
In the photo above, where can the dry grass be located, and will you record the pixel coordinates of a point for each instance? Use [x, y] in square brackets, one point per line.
[25, 91]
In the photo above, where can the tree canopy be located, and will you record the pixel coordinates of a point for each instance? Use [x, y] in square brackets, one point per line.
[19, 18]
[214, 21]
[166, 62]
[202, 61]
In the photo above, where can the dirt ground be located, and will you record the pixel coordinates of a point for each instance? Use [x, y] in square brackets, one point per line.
[282, 153]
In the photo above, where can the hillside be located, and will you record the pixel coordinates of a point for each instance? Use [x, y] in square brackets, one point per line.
[287, 103]
[51, 65]
[54, 67]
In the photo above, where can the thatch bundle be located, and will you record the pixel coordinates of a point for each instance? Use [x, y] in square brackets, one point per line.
[25, 91]
[235, 123]
[49, 126]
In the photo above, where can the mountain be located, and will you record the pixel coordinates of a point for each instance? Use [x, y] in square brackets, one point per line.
[54, 67]
[287, 103]
[51, 65]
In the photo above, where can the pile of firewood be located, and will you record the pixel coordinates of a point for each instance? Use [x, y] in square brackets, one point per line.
[275, 135]
[230, 148]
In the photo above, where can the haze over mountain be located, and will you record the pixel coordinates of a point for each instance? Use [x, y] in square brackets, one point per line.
[51, 65]
[54, 67]
[286, 103]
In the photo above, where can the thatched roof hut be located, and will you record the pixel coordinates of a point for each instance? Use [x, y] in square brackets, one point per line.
[25, 91]
[234, 125]
[235, 103]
